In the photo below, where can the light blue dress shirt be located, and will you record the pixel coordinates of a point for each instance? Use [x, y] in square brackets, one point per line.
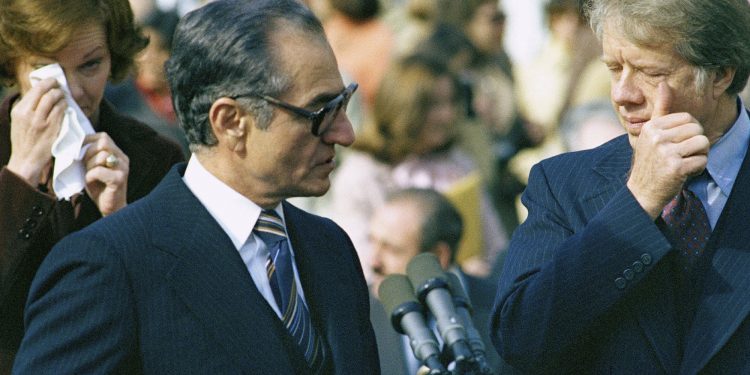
[724, 161]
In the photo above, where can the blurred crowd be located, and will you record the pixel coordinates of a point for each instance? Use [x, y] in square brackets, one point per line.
[443, 105]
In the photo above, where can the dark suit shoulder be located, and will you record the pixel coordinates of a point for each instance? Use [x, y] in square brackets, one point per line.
[145, 217]
[481, 291]
[575, 176]
[570, 162]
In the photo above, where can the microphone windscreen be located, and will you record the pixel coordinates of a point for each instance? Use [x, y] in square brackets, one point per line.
[422, 268]
[394, 291]
[457, 289]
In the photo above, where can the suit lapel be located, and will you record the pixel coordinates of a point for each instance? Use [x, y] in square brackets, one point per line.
[209, 276]
[656, 315]
[325, 288]
[725, 300]
[614, 167]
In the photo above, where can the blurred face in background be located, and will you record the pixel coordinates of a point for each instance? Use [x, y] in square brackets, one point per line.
[151, 74]
[395, 235]
[486, 28]
[564, 26]
[438, 127]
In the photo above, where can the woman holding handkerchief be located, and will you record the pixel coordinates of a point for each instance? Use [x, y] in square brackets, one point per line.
[67, 158]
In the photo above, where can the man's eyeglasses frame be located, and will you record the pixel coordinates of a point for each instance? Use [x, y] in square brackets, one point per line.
[324, 115]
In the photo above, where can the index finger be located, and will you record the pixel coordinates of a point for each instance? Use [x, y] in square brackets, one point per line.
[663, 101]
[36, 92]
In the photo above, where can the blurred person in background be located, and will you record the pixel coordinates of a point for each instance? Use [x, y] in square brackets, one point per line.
[141, 9]
[362, 42]
[566, 72]
[93, 41]
[412, 22]
[146, 95]
[409, 143]
[493, 97]
[489, 149]
[412, 221]
[589, 125]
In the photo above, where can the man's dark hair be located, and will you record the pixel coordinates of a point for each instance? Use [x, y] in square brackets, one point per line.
[224, 49]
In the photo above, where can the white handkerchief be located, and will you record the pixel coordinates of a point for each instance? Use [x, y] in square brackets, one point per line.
[68, 174]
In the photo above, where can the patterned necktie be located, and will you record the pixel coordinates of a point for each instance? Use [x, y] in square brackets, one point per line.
[687, 227]
[295, 316]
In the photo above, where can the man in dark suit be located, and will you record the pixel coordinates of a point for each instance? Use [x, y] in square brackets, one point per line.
[632, 259]
[410, 222]
[213, 272]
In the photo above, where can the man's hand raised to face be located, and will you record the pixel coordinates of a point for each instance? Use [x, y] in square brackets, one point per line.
[670, 148]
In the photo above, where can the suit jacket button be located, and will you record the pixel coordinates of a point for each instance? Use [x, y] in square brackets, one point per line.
[37, 211]
[637, 266]
[620, 283]
[29, 223]
[629, 274]
[24, 234]
[646, 259]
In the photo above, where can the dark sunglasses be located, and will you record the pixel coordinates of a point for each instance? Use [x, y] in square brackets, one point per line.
[322, 118]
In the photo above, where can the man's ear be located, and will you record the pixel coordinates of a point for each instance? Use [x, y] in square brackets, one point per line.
[722, 80]
[443, 252]
[229, 124]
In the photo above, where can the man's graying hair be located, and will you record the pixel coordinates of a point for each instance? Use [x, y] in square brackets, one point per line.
[441, 221]
[709, 34]
[224, 49]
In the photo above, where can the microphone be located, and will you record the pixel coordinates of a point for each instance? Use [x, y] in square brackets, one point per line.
[464, 310]
[407, 319]
[431, 288]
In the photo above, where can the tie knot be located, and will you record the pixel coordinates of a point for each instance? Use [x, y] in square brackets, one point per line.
[683, 201]
[270, 227]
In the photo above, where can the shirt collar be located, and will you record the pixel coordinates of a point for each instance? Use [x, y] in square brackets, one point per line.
[726, 156]
[235, 213]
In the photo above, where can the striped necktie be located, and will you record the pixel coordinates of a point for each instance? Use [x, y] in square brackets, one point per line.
[295, 315]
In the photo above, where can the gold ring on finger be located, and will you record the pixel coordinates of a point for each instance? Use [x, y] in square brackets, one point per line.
[111, 161]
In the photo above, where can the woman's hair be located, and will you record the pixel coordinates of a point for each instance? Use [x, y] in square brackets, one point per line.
[401, 104]
[44, 27]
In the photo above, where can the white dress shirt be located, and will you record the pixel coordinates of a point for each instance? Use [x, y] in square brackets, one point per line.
[237, 216]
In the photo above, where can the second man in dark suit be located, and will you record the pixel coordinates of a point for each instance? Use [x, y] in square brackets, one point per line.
[635, 255]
